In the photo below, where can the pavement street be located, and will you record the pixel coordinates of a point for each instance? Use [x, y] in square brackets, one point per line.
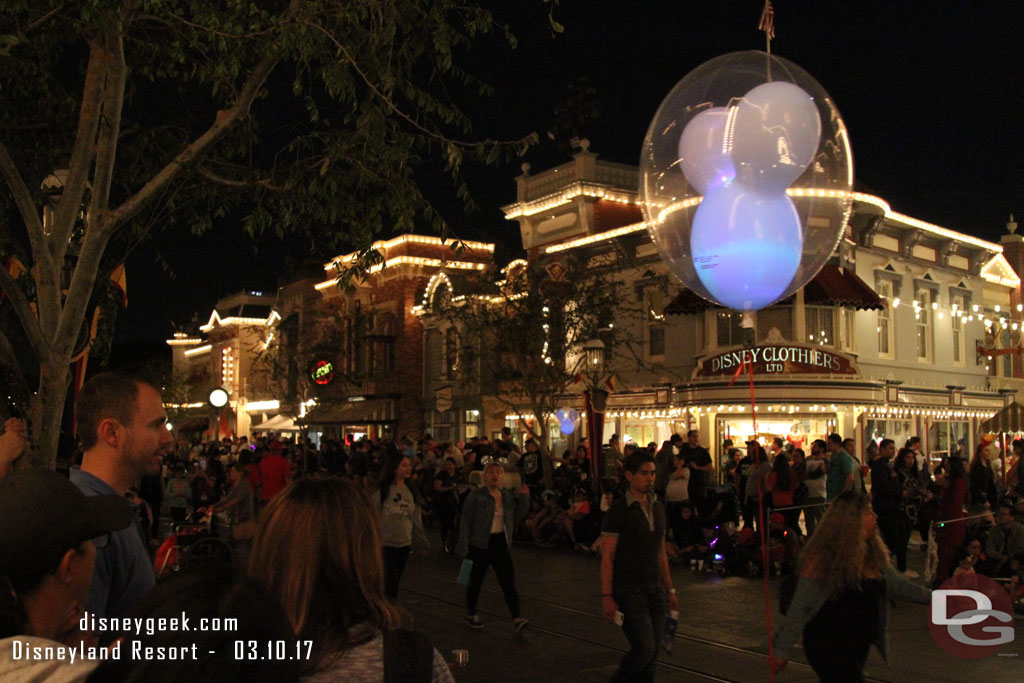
[719, 638]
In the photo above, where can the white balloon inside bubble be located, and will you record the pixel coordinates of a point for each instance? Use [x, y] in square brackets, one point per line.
[703, 153]
[775, 134]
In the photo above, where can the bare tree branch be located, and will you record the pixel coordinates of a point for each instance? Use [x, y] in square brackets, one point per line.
[81, 155]
[110, 120]
[43, 19]
[431, 134]
[28, 320]
[224, 121]
[45, 269]
[231, 182]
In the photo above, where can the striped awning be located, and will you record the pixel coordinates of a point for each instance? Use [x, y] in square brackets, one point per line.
[1009, 419]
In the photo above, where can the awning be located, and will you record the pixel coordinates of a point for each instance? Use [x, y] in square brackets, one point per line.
[278, 423]
[832, 286]
[1009, 419]
[835, 286]
[369, 411]
[686, 302]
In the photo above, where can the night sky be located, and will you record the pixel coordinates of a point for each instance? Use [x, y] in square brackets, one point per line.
[932, 95]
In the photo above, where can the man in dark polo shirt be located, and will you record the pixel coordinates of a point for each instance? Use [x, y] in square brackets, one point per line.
[634, 568]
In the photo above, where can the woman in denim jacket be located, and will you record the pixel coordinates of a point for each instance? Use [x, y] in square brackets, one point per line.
[841, 604]
[488, 518]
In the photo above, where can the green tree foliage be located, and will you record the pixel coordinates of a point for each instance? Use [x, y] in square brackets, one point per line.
[306, 117]
[525, 343]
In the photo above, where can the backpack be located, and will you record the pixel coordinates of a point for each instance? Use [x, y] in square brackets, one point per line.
[408, 656]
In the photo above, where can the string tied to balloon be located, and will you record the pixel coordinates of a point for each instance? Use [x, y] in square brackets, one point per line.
[746, 366]
[746, 186]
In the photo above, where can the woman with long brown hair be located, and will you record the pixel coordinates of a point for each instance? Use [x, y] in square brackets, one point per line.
[318, 549]
[840, 607]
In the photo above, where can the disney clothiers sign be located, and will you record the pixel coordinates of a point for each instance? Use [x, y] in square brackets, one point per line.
[779, 359]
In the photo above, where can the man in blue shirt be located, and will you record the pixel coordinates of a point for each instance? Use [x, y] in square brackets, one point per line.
[123, 429]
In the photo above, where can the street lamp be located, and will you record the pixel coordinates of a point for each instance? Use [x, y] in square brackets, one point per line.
[595, 399]
[218, 399]
[595, 357]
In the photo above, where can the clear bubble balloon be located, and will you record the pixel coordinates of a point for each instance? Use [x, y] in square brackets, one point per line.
[566, 414]
[766, 145]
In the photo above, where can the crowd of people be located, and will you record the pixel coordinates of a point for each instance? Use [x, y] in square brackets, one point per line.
[321, 536]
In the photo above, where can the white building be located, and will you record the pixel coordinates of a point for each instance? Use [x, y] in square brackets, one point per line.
[884, 342]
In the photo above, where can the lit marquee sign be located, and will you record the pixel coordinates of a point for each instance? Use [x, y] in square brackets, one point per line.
[781, 359]
[322, 372]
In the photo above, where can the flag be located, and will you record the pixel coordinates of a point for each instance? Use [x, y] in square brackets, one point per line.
[767, 23]
[120, 280]
[16, 269]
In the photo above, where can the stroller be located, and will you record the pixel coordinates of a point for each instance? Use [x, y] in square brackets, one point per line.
[191, 544]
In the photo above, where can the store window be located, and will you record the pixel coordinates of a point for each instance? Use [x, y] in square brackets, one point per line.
[1006, 360]
[641, 433]
[820, 325]
[559, 442]
[948, 438]
[471, 424]
[451, 353]
[885, 320]
[729, 330]
[897, 430]
[848, 316]
[959, 306]
[441, 427]
[924, 298]
[656, 323]
[432, 355]
[775, 317]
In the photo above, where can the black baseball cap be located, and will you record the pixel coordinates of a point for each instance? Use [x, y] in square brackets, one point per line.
[43, 515]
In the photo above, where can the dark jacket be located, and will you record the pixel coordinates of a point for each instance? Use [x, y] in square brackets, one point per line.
[886, 491]
[811, 596]
[478, 514]
[982, 486]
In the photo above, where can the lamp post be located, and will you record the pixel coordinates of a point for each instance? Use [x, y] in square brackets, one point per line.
[218, 399]
[595, 400]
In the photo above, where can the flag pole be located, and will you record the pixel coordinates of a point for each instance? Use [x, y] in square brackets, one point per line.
[767, 24]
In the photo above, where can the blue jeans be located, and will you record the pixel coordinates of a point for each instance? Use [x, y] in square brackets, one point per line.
[644, 610]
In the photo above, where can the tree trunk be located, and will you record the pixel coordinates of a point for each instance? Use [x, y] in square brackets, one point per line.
[48, 410]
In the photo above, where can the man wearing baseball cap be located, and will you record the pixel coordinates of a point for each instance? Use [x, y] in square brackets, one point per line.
[123, 429]
[49, 530]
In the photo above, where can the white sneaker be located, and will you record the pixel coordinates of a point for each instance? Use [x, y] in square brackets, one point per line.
[911, 574]
[474, 622]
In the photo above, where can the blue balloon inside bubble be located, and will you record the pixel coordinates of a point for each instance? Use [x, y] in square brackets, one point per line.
[746, 245]
[567, 426]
